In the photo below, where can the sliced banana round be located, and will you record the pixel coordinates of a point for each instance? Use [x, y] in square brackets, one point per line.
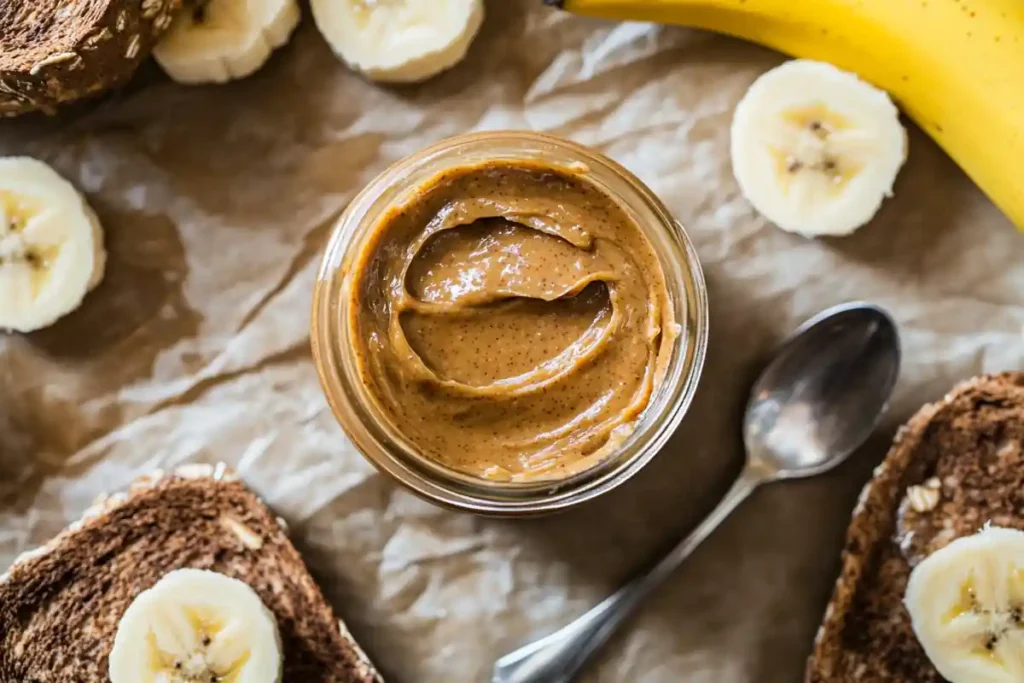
[196, 626]
[399, 41]
[51, 245]
[815, 149]
[966, 603]
[215, 41]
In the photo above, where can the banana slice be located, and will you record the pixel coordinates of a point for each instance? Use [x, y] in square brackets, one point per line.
[966, 602]
[215, 41]
[196, 626]
[815, 149]
[399, 41]
[51, 245]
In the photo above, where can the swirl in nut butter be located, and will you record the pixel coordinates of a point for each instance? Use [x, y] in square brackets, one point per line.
[512, 320]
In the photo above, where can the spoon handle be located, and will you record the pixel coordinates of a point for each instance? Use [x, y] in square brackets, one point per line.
[558, 657]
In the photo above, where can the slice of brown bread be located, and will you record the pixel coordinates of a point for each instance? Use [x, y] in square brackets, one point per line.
[56, 51]
[60, 605]
[956, 465]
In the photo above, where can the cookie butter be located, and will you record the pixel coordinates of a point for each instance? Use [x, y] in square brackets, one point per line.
[510, 320]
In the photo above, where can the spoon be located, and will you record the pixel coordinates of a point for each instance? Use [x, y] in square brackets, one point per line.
[819, 399]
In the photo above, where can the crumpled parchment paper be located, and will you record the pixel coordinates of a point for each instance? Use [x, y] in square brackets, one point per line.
[217, 201]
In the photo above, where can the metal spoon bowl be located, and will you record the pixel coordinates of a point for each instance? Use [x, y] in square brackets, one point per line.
[819, 399]
[824, 392]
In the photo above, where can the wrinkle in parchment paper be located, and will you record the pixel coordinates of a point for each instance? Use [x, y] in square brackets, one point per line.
[217, 201]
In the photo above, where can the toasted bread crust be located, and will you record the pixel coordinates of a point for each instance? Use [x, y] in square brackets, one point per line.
[60, 605]
[968, 447]
[53, 51]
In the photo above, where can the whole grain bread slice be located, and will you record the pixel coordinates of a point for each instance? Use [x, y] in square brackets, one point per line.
[60, 605]
[958, 464]
[56, 51]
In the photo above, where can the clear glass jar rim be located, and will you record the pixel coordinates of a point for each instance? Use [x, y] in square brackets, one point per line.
[431, 480]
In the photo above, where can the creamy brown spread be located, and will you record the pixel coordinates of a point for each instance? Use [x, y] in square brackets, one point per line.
[511, 320]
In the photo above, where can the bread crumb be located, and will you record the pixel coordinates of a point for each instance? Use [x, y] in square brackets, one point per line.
[56, 58]
[151, 8]
[249, 538]
[1008, 451]
[133, 48]
[923, 498]
[194, 471]
[93, 41]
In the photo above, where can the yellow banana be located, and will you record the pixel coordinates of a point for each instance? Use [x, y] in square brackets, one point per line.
[956, 67]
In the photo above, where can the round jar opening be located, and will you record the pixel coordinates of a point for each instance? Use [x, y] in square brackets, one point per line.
[417, 345]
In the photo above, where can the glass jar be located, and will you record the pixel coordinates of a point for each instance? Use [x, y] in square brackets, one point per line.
[385, 447]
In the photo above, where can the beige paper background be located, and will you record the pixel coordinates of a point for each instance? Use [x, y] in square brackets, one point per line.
[216, 202]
